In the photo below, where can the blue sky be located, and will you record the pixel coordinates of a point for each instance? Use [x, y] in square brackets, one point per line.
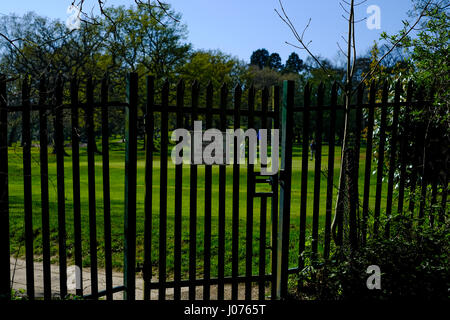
[239, 27]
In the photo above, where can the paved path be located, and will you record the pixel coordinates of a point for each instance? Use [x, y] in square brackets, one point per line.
[18, 277]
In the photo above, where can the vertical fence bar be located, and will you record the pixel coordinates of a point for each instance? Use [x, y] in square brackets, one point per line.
[193, 203]
[59, 145]
[368, 165]
[434, 179]
[76, 180]
[262, 249]
[287, 120]
[434, 192]
[443, 208]
[317, 168]
[424, 171]
[330, 175]
[106, 189]
[5, 289]
[354, 188]
[235, 217]
[43, 153]
[393, 155]
[148, 223]
[178, 199]
[222, 199]
[274, 204]
[91, 186]
[403, 146]
[208, 202]
[130, 187]
[250, 189]
[26, 141]
[414, 170]
[304, 177]
[264, 108]
[263, 209]
[163, 193]
[380, 167]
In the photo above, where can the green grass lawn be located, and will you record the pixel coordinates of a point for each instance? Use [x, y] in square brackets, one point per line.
[117, 157]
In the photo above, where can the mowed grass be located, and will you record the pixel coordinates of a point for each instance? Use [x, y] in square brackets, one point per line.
[117, 178]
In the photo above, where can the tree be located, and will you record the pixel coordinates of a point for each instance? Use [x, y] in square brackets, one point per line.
[145, 37]
[136, 39]
[293, 64]
[260, 58]
[157, 9]
[37, 52]
[212, 66]
[427, 53]
[325, 72]
[266, 77]
[425, 62]
[347, 192]
[275, 62]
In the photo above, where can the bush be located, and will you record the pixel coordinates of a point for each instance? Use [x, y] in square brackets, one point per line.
[414, 263]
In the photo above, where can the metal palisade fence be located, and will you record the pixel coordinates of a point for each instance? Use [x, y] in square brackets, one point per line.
[227, 234]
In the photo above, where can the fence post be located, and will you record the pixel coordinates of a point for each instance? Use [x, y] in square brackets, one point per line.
[304, 176]
[393, 155]
[5, 290]
[178, 200]
[163, 192]
[76, 180]
[192, 195]
[424, 170]
[403, 148]
[106, 187]
[222, 200]
[235, 212]
[368, 165]
[317, 168]
[130, 187]
[208, 201]
[380, 166]
[149, 124]
[263, 209]
[91, 186]
[274, 204]
[250, 188]
[28, 210]
[43, 150]
[59, 146]
[287, 119]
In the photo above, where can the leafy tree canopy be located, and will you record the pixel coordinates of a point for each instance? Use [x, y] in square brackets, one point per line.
[275, 61]
[260, 58]
[294, 64]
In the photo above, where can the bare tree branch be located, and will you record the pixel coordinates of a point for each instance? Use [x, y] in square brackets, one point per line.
[349, 47]
[340, 49]
[371, 72]
[151, 4]
[356, 4]
[343, 8]
[285, 18]
[354, 47]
